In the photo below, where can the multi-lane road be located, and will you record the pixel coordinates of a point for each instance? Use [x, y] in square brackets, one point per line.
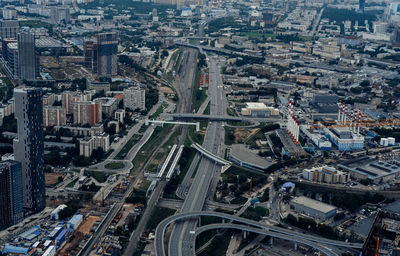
[181, 238]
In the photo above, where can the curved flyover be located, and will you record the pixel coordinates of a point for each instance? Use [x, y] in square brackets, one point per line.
[277, 231]
[324, 250]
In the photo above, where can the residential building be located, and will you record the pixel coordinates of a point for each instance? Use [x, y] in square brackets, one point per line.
[9, 29]
[87, 112]
[119, 115]
[54, 116]
[29, 146]
[135, 98]
[11, 209]
[87, 145]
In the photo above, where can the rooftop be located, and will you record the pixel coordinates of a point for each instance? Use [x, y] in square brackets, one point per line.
[313, 204]
[243, 154]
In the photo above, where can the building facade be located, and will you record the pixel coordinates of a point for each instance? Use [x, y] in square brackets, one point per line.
[87, 112]
[29, 146]
[9, 29]
[107, 48]
[54, 116]
[27, 60]
[135, 98]
[11, 208]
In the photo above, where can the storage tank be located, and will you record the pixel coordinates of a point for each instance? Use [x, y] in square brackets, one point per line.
[384, 142]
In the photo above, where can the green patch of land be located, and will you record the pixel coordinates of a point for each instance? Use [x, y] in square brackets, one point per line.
[114, 165]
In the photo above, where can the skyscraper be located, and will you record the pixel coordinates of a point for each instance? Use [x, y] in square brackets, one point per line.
[11, 209]
[29, 147]
[28, 66]
[107, 45]
[361, 5]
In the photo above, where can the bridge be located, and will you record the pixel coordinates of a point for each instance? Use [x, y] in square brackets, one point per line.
[247, 225]
[324, 250]
[197, 124]
[212, 156]
[184, 116]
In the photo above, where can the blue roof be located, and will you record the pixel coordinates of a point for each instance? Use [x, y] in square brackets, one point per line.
[75, 218]
[61, 235]
[288, 185]
[14, 249]
[31, 233]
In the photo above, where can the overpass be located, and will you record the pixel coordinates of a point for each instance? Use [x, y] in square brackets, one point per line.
[184, 116]
[277, 231]
[197, 124]
[322, 249]
[212, 156]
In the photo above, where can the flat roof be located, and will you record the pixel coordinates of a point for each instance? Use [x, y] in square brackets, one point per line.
[314, 204]
[242, 153]
[258, 105]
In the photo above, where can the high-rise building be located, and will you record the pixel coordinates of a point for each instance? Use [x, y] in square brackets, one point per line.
[9, 29]
[29, 146]
[107, 48]
[9, 13]
[27, 59]
[361, 5]
[54, 116]
[86, 112]
[91, 56]
[60, 14]
[135, 98]
[11, 209]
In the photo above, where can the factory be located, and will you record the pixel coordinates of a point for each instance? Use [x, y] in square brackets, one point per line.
[326, 174]
[373, 170]
[313, 208]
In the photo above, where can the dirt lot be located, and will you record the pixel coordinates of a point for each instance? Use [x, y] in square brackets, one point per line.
[166, 90]
[241, 134]
[85, 227]
[128, 208]
[51, 179]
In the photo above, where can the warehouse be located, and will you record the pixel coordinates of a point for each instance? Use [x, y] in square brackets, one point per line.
[313, 208]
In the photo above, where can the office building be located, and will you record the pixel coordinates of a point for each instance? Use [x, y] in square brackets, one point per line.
[11, 209]
[9, 29]
[54, 116]
[29, 147]
[313, 208]
[135, 98]
[87, 112]
[107, 49]
[27, 59]
[259, 109]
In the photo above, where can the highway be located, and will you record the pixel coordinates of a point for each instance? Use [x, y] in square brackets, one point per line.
[277, 231]
[213, 117]
[181, 240]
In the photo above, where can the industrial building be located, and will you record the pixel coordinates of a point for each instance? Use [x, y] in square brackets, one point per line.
[313, 208]
[325, 174]
[372, 169]
[258, 109]
[241, 155]
[317, 137]
[344, 138]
